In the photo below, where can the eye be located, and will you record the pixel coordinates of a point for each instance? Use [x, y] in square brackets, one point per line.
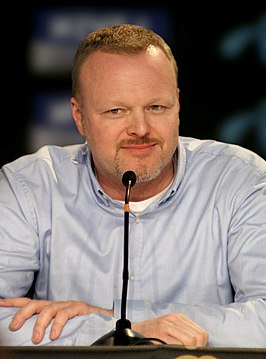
[155, 107]
[114, 111]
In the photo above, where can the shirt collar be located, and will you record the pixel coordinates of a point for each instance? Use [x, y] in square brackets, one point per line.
[179, 168]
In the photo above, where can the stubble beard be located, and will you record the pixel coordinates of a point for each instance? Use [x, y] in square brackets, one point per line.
[143, 171]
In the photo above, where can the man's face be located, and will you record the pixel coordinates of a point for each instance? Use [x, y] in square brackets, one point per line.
[130, 113]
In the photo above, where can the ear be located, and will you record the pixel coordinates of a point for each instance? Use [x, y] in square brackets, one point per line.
[77, 115]
[177, 94]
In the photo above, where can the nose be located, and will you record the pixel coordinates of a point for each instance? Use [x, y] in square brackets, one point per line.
[138, 124]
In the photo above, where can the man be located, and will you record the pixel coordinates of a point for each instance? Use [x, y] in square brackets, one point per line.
[197, 221]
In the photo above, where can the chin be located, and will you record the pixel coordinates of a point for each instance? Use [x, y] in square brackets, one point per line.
[144, 172]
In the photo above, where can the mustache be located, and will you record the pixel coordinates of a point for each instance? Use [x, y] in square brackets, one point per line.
[139, 141]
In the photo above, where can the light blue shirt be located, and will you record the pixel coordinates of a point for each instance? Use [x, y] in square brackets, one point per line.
[199, 250]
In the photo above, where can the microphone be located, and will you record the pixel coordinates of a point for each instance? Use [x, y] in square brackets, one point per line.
[123, 334]
[129, 178]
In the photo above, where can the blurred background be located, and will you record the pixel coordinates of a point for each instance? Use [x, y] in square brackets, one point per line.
[220, 51]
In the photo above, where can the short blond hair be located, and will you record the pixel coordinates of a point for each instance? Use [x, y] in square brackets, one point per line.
[125, 38]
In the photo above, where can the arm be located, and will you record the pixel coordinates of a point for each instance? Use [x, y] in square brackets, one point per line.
[19, 245]
[80, 330]
[50, 313]
[55, 319]
[19, 259]
[234, 325]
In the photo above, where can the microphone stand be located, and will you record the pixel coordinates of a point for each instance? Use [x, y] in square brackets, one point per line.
[123, 334]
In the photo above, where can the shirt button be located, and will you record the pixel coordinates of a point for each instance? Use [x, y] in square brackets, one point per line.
[137, 219]
[73, 160]
[132, 277]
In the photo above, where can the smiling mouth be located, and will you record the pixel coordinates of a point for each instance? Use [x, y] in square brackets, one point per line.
[142, 146]
[139, 149]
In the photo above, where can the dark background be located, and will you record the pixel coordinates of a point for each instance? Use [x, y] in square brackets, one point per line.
[222, 96]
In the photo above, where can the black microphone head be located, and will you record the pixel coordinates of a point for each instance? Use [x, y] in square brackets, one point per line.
[129, 176]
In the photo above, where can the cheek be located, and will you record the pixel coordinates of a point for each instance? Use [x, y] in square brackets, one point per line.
[170, 140]
[169, 132]
[103, 138]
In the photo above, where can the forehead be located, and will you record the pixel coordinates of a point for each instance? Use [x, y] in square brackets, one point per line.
[101, 64]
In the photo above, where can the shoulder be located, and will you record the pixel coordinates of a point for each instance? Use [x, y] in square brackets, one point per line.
[221, 152]
[47, 160]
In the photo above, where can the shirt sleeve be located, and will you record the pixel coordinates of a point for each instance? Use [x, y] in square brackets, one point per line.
[19, 245]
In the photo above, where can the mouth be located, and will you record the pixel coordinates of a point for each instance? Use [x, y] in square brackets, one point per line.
[139, 149]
